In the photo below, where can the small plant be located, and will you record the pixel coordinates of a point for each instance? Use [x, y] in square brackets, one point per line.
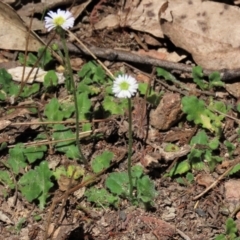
[230, 233]
[117, 187]
[197, 111]
[201, 155]
[214, 79]
[10, 89]
[125, 87]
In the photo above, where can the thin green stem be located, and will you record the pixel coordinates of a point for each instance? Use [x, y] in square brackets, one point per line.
[130, 141]
[73, 87]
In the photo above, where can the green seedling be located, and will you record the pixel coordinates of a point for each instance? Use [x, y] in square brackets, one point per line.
[74, 171]
[117, 186]
[6, 179]
[214, 79]
[201, 155]
[32, 59]
[203, 114]
[230, 147]
[230, 233]
[29, 184]
[152, 96]
[189, 179]
[10, 89]
[102, 161]
[101, 197]
[50, 79]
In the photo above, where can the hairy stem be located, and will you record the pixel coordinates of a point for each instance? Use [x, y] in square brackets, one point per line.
[72, 86]
[130, 141]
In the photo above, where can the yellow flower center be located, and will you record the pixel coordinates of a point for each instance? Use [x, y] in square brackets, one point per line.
[59, 21]
[124, 86]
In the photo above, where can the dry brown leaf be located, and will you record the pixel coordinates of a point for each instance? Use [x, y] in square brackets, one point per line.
[37, 74]
[110, 21]
[204, 179]
[143, 16]
[232, 191]
[14, 32]
[202, 28]
[4, 124]
[162, 54]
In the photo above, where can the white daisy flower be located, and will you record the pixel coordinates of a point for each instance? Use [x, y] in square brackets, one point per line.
[61, 18]
[124, 86]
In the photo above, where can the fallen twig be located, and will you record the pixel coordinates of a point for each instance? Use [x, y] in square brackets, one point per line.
[119, 55]
[218, 180]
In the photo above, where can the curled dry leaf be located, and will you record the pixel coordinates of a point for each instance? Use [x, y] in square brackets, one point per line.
[203, 29]
[142, 16]
[4, 124]
[204, 179]
[37, 74]
[14, 31]
[167, 113]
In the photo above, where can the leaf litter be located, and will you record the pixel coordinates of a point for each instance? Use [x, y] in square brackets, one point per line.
[185, 137]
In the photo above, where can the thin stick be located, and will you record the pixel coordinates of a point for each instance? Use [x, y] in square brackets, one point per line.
[89, 52]
[218, 180]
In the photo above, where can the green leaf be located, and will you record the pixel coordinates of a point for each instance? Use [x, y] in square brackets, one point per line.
[45, 56]
[8, 87]
[101, 197]
[137, 171]
[215, 80]
[5, 79]
[72, 152]
[67, 109]
[142, 87]
[16, 160]
[99, 74]
[195, 158]
[212, 160]
[235, 169]
[146, 189]
[230, 147]
[50, 79]
[197, 74]
[196, 111]
[86, 69]
[180, 168]
[61, 133]
[238, 107]
[52, 110]
[86, 127]
[34, 153]
[171, 148]
[36, 183]
[6, 179]
[84, 105]
[201, 138]
[190, 177]
[231, 227]
[92, 71]
[167, 75]
[31, 59]
[214, 143]
[220, 237]
[118, 183]
[61, 170]
[114, 106]
[29, 90]
[181, 181]
[77, 170]
[102, 161]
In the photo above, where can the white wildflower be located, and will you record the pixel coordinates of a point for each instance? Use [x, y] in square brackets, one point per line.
[61, 18]
[124, 86]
